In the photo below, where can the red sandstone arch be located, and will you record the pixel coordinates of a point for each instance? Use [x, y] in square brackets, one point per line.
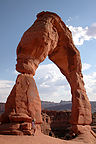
[49, 36]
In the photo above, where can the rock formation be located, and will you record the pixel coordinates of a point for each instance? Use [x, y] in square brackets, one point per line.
[48, 36]
[46, 124]
[57, 124]
[23, 105]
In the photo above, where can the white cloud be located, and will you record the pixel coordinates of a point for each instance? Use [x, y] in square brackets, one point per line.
[52, 85]
[81, 34]
[85, 66]
[5, 88]
[90, 85]
[92, 31]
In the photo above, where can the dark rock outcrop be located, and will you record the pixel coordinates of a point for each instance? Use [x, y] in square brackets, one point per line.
[2, 107]
[57, 124]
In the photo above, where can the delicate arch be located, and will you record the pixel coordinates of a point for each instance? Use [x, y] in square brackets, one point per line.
[49, 36]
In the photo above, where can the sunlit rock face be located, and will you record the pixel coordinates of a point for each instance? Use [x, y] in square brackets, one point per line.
[25, 98]
[35, 45]
[23, 105]
[48, 36]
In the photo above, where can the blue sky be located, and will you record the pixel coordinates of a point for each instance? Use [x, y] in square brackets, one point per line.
[16, 16]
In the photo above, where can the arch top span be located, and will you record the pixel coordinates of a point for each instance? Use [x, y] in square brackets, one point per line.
[49, 36]
[44, 38]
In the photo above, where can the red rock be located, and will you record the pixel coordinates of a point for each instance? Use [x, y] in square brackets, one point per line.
[19, 117]
[27, 132]
[10, 126]
[11, 132]
[26, 126]
[46, 124]
[35, 45]
[48, 36]
[10, 129]
[80, 129]
[56, 123]
[23, 103]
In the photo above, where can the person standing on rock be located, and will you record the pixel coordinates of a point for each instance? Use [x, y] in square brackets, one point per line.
[33, 126]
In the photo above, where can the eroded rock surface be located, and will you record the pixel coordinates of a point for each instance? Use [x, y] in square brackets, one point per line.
[57, 124]
[48, 36]
[23, 104]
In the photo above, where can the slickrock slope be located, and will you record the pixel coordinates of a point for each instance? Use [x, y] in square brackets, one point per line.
[43, 139]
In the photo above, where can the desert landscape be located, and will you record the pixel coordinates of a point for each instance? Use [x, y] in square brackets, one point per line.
[48, 36]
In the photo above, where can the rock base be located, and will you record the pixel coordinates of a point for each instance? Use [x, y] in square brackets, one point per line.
[24, 128]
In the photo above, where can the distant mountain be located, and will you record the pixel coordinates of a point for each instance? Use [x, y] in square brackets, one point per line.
[63, 105]
[46, 104]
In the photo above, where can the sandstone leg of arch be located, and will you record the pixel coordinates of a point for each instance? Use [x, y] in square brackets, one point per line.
[23, 104]
[81, 108]
[69, 63]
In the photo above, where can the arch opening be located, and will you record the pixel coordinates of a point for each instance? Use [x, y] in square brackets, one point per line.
[51, 83]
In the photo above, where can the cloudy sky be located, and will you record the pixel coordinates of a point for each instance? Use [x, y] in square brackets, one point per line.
[16, 16]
